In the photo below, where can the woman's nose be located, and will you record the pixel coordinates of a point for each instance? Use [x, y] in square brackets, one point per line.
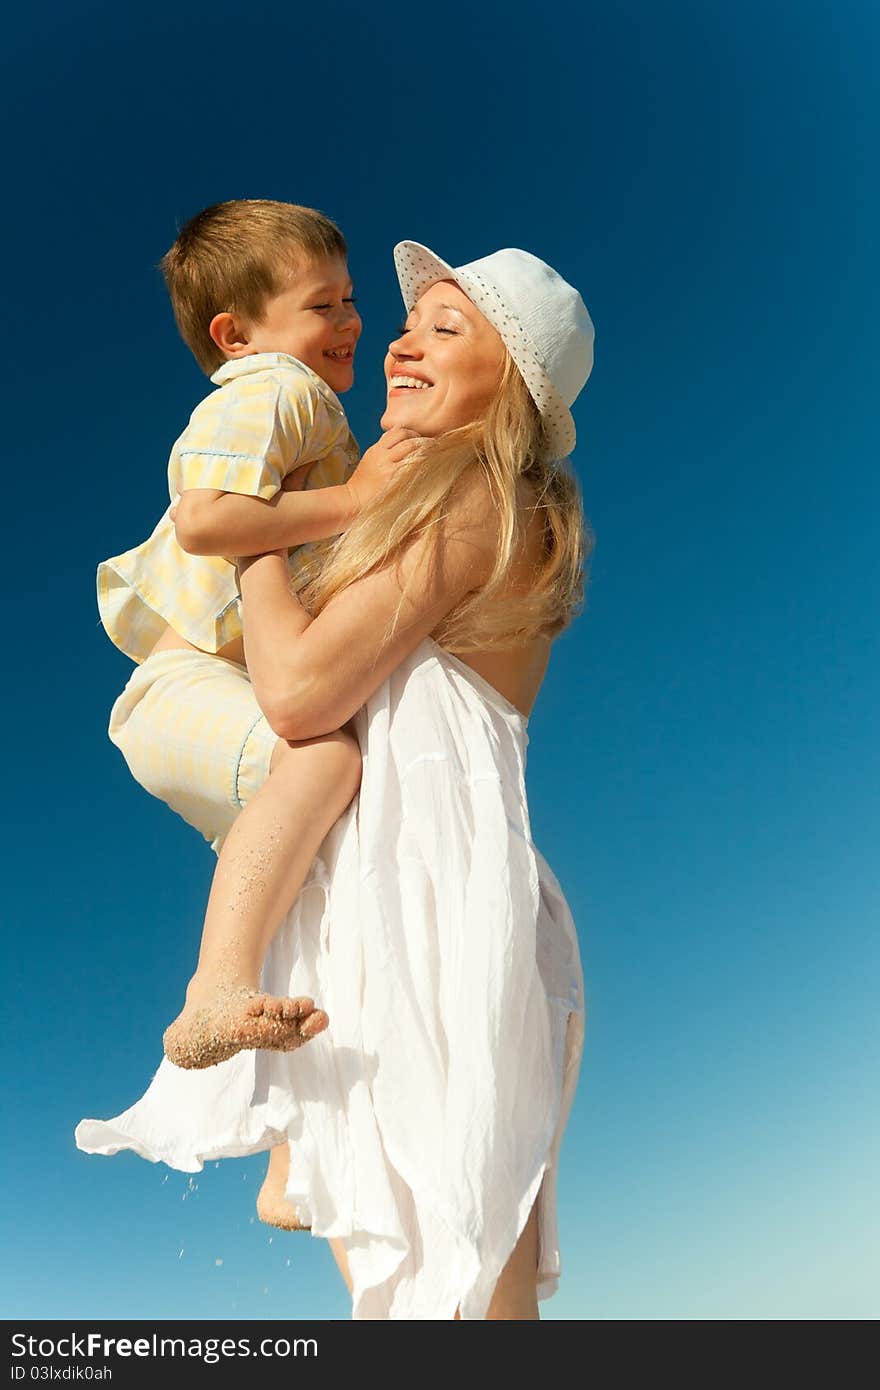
[404, 346]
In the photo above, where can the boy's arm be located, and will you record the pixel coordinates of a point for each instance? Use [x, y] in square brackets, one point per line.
[210, 522]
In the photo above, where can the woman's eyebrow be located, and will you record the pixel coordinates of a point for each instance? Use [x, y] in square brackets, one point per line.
[414, 314]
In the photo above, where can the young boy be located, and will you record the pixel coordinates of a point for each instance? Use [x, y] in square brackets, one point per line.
[262, 295]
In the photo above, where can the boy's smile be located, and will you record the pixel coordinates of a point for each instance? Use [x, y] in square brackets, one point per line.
[314, 320]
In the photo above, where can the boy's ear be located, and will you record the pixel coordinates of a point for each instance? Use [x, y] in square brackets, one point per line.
[228, 332]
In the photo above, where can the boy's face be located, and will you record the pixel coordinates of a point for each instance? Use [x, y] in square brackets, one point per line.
[315, 320]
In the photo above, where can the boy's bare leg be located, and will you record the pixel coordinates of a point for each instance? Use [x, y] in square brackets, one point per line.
[261, 868]
[273, 1206]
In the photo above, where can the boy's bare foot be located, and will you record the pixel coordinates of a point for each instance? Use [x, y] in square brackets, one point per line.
[216, 1026]
[272, 1205]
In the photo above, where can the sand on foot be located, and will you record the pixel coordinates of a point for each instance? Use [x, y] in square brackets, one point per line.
[231, 1019]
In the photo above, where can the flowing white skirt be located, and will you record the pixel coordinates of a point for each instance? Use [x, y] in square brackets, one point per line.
[426, 1120]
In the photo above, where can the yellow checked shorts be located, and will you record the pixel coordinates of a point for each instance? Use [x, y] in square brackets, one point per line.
[192, 733]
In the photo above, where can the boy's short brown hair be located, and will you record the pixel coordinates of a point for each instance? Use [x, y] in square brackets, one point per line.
[233, 257]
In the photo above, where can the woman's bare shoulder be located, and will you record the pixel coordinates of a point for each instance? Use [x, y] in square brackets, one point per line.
[472, 510]
[515, 672]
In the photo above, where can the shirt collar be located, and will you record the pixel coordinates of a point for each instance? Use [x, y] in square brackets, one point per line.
[264, 361]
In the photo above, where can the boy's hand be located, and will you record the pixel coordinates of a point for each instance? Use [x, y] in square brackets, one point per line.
[378, 465]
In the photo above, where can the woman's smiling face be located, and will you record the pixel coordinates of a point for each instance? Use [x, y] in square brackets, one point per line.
[445, 367]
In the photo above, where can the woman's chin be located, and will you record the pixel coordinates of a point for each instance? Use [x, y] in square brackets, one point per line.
[395, 414]
[403, 410]
[407, 414]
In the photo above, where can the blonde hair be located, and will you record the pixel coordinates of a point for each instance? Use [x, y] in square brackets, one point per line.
[503, 449]
[233, 257]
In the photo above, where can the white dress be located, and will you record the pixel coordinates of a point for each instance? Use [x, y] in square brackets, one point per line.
[427, 1118]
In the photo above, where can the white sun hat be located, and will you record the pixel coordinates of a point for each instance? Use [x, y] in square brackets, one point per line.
[542, 320]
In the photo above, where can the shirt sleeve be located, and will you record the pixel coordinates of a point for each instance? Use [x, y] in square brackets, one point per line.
[248, 435]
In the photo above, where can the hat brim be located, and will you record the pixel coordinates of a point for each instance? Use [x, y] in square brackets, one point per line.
[418, 268]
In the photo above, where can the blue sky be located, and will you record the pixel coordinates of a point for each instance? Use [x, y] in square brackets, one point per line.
[702, 770]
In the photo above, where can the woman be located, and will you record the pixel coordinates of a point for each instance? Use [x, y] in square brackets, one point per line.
[424, 1125]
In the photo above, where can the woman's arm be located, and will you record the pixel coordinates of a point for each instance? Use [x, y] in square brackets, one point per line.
[311, 675]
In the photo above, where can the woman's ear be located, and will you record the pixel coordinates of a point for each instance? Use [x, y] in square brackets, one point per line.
[228, 331]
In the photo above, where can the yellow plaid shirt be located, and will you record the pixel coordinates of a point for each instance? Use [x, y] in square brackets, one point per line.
[271, 414]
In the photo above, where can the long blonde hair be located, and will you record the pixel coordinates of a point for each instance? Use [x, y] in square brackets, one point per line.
[504, 446]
